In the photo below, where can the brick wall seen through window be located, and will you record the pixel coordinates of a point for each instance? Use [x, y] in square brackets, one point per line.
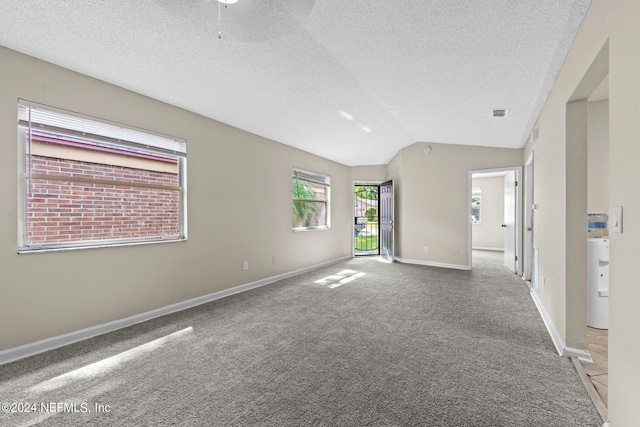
[62, 211]
[86, 182]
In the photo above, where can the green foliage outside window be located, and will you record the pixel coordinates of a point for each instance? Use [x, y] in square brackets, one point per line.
[370, 213]
[369, 192]
[305, 211]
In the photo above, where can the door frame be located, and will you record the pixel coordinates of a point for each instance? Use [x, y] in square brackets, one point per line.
[518, 248]
[353, 203]
[529, 200]
[509, 188]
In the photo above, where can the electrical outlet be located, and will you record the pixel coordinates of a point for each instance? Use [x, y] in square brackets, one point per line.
[245, 265]
[426, 248]
[273, 260]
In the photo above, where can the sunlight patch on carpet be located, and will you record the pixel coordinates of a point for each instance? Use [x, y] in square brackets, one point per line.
[339, 279]
[105, 366]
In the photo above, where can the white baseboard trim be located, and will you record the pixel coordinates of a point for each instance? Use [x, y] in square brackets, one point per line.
[31, 349]
[561, 347]
[432, 264]
[577, 353]
[481, 248]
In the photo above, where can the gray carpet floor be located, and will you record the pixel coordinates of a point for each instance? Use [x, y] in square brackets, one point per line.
[390, 345]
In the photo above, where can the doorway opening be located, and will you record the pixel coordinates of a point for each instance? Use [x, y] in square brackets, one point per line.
[588, 125]
[495, 214]
[598, 242]
[366, 219]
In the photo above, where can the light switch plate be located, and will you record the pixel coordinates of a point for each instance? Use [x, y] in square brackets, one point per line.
[616, 219]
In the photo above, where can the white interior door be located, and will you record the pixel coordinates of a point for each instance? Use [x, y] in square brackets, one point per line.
[386, 220]
[528, 222]
[509, 223]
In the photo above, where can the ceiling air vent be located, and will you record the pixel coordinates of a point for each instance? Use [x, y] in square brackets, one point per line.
[500, 113]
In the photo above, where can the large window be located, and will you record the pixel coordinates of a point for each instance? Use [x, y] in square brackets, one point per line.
[86, 182]
[310, 200]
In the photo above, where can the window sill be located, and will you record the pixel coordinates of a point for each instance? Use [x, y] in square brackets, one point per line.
[26, 251]
[296, 230]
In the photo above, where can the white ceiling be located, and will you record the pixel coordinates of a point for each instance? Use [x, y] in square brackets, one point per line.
[350, 80]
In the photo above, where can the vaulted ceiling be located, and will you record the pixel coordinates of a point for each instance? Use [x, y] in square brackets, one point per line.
[354, 81]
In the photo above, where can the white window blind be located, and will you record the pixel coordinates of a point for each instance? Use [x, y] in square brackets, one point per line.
[36, 116]
[312, 177]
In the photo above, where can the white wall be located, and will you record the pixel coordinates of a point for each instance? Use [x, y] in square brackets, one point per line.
[369, 173]
[614, 22]
[489, 234]
[431, 199]
[598, 157]
[239, 194]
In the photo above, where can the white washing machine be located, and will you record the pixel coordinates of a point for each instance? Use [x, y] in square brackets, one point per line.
[598, 283]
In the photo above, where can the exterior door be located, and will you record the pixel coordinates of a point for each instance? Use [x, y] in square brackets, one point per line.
[509, 223]
[386, 220]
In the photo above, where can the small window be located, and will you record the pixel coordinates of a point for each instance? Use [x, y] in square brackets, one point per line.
[86, 182]
[310, 200]
[476, 196]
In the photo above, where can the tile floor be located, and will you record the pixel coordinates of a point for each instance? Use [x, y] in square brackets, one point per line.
[598, 372]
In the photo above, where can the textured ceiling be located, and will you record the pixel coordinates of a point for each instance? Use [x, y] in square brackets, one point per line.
[353, 81]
